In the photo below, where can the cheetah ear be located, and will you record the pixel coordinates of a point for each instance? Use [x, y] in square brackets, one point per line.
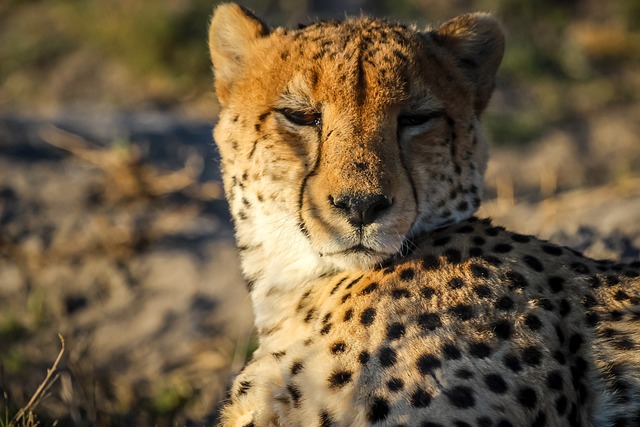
[476, 40]
[231, 33]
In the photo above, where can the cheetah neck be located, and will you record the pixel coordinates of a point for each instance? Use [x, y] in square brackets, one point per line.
[279, 270]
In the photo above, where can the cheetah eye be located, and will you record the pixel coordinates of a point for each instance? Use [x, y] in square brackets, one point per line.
[417, 119]
[301, 118]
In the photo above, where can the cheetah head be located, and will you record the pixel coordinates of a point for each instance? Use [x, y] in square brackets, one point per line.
[341, 140]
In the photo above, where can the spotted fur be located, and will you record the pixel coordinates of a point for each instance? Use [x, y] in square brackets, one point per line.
[353, 161]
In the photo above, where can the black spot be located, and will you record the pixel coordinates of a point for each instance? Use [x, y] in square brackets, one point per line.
[492, 231]
[533, 322]
[463, 205]
[367, 316]
[479, 271]
[560, 334]
[441, 241]
[400, 293]
[325, 329]
[295, 393]
[395, 384]
[565, 307]
[615, 315]
[430, 262]
[465, 229]
[461, 397]
[278, 354]
[478, 241]
[462, 311]
[516, 280]
[296, 368]
[484, 422]
[378, 411]
[427, 292]
[556, 284]
[594, 281]
[244, 387]
[482, 291]
[387, 357]
[369, 289]
[554, 380]
[348, 315]
[326, 420]
[520, 238]
[624, 343]
[479, 350]
[420, 398]
[407, 274]
[531, 356]
[512, 362]
[345, 297]
[451, 352]
[395, 330]
[496, 262]
[455, 283]
[465, 374]
[339, 379]
[338, 347]
[621, 296]
[475, 252]
[427, 363]
[527, 397]
[353, 282]
[495, 383]
[453, 256]
[502, 329]
[363, 357]
[559, 357]
[429, 321]
[552, 250]
[504, 303]
[533, 263]
[458, 423]
[592, 319]
[337, 286]
[588, 301]
[545, 304]
[502, 248]
[580, 268]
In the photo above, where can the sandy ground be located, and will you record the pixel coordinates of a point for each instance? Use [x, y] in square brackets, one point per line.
[126, 249]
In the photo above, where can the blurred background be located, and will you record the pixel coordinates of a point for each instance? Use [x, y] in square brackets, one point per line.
[113, 230]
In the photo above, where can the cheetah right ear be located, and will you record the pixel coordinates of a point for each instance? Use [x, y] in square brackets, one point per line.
[232, 31]
[476, 40]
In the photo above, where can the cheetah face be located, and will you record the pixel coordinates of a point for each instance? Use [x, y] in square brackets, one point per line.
[344, 139]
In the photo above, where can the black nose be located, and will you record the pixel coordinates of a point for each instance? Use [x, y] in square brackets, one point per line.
[362, 210]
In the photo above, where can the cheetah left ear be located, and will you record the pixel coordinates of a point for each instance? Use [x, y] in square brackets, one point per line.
[476, 40]
[232, 32]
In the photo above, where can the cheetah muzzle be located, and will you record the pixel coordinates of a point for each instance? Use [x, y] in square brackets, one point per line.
[353, 160]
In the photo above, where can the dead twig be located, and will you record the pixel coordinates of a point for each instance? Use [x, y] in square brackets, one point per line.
[52, 376]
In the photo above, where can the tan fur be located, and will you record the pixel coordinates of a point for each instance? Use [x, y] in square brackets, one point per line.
[353, 160]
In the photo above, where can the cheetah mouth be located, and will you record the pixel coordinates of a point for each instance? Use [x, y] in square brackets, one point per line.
[358, 249]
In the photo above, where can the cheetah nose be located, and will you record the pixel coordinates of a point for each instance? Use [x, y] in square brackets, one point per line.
[362, 210]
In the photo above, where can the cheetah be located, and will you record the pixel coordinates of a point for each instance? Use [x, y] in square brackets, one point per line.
[353, 159]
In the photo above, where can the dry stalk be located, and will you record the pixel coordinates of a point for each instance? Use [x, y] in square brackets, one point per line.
[53, 374]
[126, 170]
